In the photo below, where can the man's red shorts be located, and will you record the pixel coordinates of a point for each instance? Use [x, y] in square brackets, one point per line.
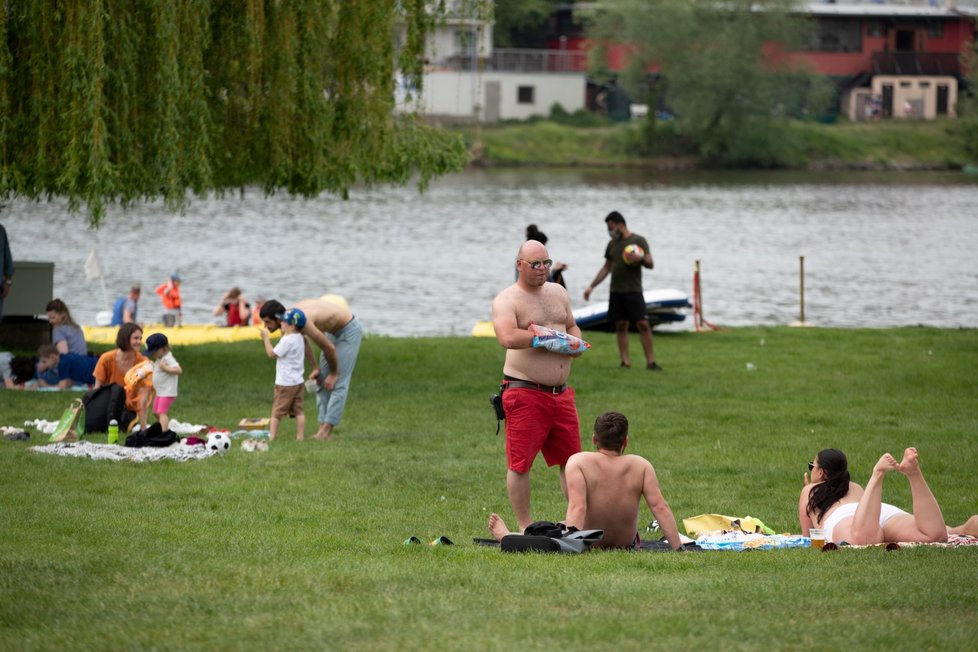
[538, 421]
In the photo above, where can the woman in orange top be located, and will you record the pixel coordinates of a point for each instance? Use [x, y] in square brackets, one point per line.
[113, 365]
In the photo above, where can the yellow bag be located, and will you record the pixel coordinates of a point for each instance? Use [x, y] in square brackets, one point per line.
[705, 523]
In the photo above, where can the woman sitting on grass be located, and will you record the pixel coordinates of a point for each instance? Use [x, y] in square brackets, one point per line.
[113, 365]
[66, 335]
[849, 513]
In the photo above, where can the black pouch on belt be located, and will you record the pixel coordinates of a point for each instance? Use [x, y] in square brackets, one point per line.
[496, 400]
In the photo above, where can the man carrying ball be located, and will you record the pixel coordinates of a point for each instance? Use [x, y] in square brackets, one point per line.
[624, 258]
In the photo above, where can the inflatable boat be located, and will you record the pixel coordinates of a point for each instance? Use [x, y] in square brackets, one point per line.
[662, 307]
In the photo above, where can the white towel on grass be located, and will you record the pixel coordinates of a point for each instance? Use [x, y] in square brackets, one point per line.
[177, 452]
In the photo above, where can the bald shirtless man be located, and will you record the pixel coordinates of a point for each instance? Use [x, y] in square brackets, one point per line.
[337, 332]
[540, 412]
[605, 489]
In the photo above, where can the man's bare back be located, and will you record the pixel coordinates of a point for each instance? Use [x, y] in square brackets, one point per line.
[612, 487]
[605, 491]
[325, 316]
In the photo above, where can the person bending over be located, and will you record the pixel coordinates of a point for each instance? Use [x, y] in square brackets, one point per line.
[337, 333]
[847, 512]
[64, 370]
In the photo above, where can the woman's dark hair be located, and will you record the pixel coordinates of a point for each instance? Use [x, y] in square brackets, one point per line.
[836, 485]
[125, 334]
[533, 233]
[57, 305]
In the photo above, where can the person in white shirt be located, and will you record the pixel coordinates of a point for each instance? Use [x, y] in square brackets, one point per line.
[289, 354]
[166, 371]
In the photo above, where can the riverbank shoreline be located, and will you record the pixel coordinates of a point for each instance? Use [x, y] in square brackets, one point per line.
[692, 164]
[898, 146]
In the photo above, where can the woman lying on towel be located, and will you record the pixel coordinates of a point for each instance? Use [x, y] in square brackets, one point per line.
[849, 513]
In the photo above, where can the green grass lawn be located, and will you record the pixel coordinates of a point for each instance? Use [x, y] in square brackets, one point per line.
[301, 547]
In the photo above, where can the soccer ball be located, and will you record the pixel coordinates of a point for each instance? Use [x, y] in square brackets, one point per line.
[633, 254]
[218, 441]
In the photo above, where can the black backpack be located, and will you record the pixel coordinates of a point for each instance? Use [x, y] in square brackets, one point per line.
[102, 405]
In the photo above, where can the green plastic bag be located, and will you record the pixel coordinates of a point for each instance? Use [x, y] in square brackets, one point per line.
[71, 426]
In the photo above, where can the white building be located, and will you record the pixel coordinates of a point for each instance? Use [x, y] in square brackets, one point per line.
[466, 80]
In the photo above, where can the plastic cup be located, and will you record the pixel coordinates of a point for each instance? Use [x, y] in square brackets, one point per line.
[817, 535]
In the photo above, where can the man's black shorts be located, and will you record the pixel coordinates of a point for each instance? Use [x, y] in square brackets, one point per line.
[626, 306]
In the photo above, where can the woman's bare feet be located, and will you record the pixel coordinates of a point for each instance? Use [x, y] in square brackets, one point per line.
[969, 527]
[910, 465]
[325, 432]
[886, 464]
[497, 527]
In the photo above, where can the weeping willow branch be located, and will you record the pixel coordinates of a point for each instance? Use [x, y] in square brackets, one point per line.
[118, 101]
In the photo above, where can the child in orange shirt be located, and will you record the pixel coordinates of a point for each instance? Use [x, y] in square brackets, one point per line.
[172, 305]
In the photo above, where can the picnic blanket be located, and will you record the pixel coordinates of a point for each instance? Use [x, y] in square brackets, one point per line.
[645, 546]
[751, 541]
[71, 388]
[177, 452]
[746, 541]
[953, 541]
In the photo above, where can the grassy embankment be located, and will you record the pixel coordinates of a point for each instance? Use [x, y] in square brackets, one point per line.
[301, 547]
[878, 145]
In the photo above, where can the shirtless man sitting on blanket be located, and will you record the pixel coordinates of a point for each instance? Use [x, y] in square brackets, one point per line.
[605, 488]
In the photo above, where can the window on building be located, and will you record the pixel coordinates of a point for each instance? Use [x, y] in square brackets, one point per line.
[924, 84]
[874, 28]
[524, 95]
[464, 42]
[837, 35]
[935, 30]
[905, 84]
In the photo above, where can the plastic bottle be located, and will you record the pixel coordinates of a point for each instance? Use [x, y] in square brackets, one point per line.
[113, 432]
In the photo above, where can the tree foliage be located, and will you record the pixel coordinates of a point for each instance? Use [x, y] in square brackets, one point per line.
[967, 109]
[723, 68]
[126, 100]
[522, 23]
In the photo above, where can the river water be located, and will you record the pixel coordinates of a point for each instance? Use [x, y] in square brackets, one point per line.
[880, 249]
